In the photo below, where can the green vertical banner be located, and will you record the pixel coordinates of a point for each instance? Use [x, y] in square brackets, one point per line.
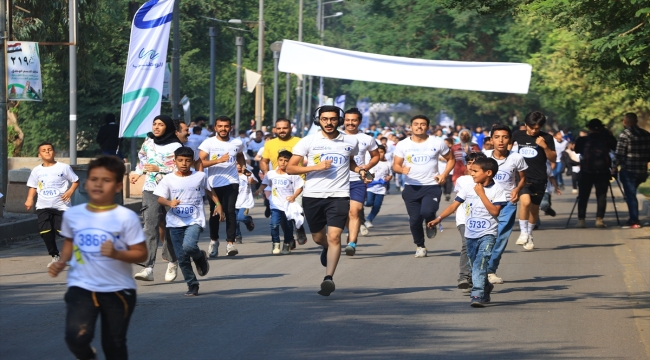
[23, 71]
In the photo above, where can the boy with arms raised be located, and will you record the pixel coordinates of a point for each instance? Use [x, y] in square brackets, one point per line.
[102, 240]
[482, 202]
[183, 191]
[50, 181]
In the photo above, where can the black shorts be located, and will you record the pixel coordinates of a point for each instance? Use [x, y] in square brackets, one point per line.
[536, 190]
[49, 220]
[321, 212]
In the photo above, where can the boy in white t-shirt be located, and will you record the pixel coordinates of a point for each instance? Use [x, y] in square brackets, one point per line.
[284, 189]
[245, 201]
[182, 191]
[50, 181]
[102, 240]
[482, 202]
[377, 188]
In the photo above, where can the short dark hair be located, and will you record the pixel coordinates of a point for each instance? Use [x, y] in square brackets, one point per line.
[500, 127]
[43, 144]
[200, 118]
[329, 108]
[242, 132]
[285, 154]
[111, 163]
[631, 117]
[535, 118]
[354, 111]
[197, 130]
[473, 156]
[381, 147]
[177, 124]
[416, 117]
[486, 164]
[224, 118]
[281, 120]
[184, 151]
[109, 118]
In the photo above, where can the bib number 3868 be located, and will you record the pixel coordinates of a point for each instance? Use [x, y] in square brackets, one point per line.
[477, 224]
[90, 241]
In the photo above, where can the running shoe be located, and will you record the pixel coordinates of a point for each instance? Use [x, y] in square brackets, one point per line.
[529, 245]
[494, 279]
[55, 258]
[421, 252]
[323, 257]
[550, 212]
[213, 249]
[327, 286]
[172, 272]
[522, 239]
[231, 250]
[250, 225]
[202, 264]
[631, 225]
[238, 240]
[463, 284]
[351, 249]
[600, 224]
[192, 290]
[286, 249]
[486, 294]
[477, 302]
[276, 249]
[145, 274]
[368, 224]
[431, 231]
[581, 224]
[363, 230]
[300, 234]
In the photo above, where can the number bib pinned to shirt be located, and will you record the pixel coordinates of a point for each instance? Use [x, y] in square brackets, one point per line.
[185, 210]
[477, 224]
[89, 242]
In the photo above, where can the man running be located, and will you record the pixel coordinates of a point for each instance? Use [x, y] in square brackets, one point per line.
[367, 144]
[536, 147]
[417, 159]
[326, 200]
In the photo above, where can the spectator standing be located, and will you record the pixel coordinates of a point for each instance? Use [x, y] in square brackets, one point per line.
[560, 145]
[108, 136]
[478, 137]
[460, 150]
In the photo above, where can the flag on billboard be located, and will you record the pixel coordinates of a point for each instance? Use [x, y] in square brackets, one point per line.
[23, 71]
[145, 67]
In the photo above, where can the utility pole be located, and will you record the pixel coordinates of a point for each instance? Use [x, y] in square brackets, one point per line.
[259, 109]
[212, 32]
[302, 115]
[4, 162]
[175, 81]
[287, 105]
[72, 32]
[239, 42]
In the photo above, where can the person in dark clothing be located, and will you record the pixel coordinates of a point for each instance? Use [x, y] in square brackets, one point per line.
[108, 137]
[595, 169]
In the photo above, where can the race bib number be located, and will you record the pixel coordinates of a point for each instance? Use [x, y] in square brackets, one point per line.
[49, 193]
[502, 176]
[477, 224]
[528, 152]
[337, 160]
[185, 211]
[89, 242]
[418, 159]
[231, 158]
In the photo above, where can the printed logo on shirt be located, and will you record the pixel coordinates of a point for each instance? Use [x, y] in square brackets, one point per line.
[502, 176]
[89, 243]
[528, 152]
[418, 159]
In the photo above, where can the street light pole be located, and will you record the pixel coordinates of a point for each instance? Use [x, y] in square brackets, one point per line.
[276, 58]
[259, 116]
[72, 32]
[176, 66]
[239, 42]
[287, 105]
[301, 120]
[4, 150]
[212, 32]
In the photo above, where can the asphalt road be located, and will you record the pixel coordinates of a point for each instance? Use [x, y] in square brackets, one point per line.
[580, 294]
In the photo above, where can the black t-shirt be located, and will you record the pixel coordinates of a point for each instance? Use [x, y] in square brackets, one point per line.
[533, 154]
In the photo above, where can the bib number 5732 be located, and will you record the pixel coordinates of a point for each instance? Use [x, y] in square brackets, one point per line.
[477, 224]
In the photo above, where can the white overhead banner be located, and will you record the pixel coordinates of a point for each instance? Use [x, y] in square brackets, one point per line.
[318, 60]
[145, 67]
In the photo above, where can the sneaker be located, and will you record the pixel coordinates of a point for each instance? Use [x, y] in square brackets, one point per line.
[631, 225]
[463, 284]
[468, 290]
[368, 224]
[323, 257]
[327, 286]
[300, 234]
[238, 240]
[286, 249]
[487, 292]
[581, 224]
[202, 264]
[276, 249]
[293, 244]
[213, 249]
[351, 249]
[145, 274]
[600, 224]
[250, 226]
[363, 230]
[231, 250]
[477, 302]
[574, 191]
[55, 258]
[522, 239]
[494, 279]
[192, 290]
[172, 272]
[431, 231]
[550, 212]
[421, 252]
[529, 245]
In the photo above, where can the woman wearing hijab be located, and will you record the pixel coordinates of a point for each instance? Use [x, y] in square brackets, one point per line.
[460, 150]
[156, 160]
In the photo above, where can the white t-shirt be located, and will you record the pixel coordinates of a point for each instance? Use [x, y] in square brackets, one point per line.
[335, 181]
[281, 186]
[463, 211]
[50, 183]
[381, 170]
[422, 158]
[508, 169]
[225, 173]
[89, 269]
[189, 190]
[366, 144]
[245, 198]
[479, 222]
[559, 148]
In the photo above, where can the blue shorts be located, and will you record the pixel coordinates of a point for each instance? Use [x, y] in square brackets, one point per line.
[358, 191]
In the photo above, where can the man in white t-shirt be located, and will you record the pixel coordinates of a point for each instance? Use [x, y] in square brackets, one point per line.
[560, 145]
[416, 158]
[220, 155]
[358, 187]
[511, 167]
[329, 157]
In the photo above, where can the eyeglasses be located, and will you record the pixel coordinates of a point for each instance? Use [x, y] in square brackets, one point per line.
[332, 119]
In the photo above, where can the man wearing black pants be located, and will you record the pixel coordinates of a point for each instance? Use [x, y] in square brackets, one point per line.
[417, 159]
[220, 155]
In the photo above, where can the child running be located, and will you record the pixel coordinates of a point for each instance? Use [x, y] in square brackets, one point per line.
[102, 240]
[284, 190]
[50, 181]
[483, 200]
[183, 191]
[377, 188]
[245, 201]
